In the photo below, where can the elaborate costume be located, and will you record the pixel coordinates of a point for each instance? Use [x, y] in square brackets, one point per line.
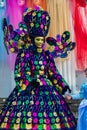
[82, 110]
[36, 103]
[82, 115]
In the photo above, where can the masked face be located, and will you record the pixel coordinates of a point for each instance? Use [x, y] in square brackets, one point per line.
[39, 41]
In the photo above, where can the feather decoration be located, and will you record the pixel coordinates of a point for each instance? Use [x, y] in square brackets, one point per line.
[61, 45]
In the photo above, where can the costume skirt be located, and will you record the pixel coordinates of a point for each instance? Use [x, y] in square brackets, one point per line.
[36, 108]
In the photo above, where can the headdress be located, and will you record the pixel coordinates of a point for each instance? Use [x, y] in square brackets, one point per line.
[62, 45]
[37, 22]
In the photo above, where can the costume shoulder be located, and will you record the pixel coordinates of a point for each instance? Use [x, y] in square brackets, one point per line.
[49, 54]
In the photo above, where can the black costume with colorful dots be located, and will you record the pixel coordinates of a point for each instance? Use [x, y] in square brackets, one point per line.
[36, 102]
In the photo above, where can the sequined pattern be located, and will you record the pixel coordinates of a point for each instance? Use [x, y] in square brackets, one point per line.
[33, 106]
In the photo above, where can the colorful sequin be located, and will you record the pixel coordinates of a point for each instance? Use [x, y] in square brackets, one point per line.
[33, 106]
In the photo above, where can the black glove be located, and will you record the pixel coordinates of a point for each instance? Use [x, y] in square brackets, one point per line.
[34, 83]
[68, 89]
[65, 89]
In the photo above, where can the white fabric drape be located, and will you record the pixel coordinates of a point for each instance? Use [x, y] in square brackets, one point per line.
[61, 21]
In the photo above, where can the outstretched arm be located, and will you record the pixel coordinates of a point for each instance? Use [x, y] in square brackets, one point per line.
[82, 93]
[56, 77]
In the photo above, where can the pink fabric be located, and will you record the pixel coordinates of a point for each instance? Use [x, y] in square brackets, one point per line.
[15, 10]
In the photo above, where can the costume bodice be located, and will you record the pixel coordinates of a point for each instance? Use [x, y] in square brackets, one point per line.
[39, 64]
[33, 66]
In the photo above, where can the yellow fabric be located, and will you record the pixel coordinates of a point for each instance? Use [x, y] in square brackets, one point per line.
[60, 17]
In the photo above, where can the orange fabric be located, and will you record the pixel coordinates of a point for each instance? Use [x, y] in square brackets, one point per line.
[32, 3]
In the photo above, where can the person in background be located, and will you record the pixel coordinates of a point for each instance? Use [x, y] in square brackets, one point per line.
[37, 101]
[82, 110]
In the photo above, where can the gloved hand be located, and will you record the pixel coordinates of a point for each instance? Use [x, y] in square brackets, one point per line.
[34, 83]
[65, 89]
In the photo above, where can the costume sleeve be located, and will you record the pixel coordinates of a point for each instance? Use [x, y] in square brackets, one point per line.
[76, 96]
[22, 72]
[56, 77]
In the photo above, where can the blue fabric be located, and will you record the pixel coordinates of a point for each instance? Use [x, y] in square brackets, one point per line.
[2, 47]
[5, 71]
[82, 110]
[82, 119]
[82, 93]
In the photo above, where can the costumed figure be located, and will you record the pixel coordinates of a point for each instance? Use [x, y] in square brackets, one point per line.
[37, 101]
[82, 110]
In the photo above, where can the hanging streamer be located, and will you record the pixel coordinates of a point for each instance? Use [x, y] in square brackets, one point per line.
[79, 15]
